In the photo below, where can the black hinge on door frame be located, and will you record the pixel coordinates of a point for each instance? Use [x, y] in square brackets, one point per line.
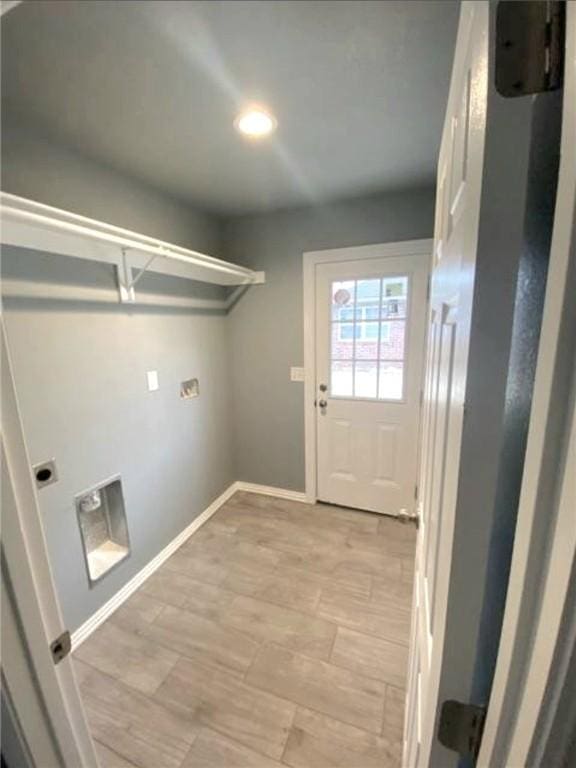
[60, 648]
[461, 727]
[530, 39]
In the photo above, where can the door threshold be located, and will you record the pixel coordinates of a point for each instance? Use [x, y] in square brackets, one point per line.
[359, 509]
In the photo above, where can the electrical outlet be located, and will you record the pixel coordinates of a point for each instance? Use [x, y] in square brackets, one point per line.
[45, 473]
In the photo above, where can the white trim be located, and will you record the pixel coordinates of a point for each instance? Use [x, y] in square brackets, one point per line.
[267, 490]
[89, 626]
[310, 260]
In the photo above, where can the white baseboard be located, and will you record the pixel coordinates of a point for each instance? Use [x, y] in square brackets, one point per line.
[89, 626]
[267, 490]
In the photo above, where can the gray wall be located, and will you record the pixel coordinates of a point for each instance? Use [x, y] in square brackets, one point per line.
[266, 327]
[36, 167]
[80, 372]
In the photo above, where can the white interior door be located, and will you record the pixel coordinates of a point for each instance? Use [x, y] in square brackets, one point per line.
[455, 243]
[370, 327]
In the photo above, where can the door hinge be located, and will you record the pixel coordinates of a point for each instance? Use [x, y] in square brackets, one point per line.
[60, 648]
[416, 491]
[461, 727]
[530, 39]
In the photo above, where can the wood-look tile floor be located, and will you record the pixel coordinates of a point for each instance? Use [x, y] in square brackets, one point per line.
[277, 635]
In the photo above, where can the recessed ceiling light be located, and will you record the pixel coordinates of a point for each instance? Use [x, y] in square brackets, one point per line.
[255, 123]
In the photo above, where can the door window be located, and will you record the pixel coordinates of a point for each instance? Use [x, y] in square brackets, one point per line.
[367, 347]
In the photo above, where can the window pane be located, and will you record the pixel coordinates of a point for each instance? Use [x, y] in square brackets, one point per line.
[370, 312]
[390, 383]
[394, 308]
[365, 377]
[392, 340]
[345, 313]
[342, 342]
[366, 341]
[343, 299]
[394, 287]
[368, 289]
[341, 379]
[369, 331]
[367, 299]
[344, 331]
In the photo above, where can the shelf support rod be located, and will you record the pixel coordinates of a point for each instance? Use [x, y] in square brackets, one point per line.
[125, 284]
[140, 272]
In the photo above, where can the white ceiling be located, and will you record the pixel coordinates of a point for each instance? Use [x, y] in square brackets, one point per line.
[152, 89]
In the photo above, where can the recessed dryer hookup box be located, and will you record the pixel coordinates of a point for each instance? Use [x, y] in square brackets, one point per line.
[103, 527]
[189, 388]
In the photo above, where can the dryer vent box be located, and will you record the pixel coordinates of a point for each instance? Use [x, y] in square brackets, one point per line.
[103, 528]
[189, 388]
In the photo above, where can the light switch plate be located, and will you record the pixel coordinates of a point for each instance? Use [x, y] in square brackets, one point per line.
[296, 373]
[152, 377]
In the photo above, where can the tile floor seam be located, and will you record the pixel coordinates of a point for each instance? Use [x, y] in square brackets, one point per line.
[278, 605]
[374, 637]
[187, 755]
[384, 712]
[319, 712]
[134, 733]
[339, 720]
[247, 635]
[333, 644]
[281, 758]
[317, 615]
[220, 731]
[126, 760]
[181, 655]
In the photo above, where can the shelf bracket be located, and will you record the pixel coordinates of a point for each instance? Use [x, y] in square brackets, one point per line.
[125, 283]
[132, 283]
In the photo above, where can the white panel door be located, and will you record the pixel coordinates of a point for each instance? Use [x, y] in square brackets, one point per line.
[455, 242]
[370, 326]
